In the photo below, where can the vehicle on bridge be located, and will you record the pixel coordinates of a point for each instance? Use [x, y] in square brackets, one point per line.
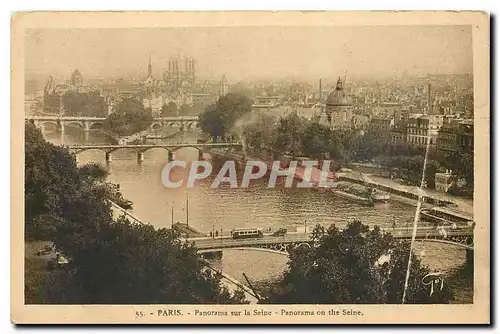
[280, 232]
[242, 233]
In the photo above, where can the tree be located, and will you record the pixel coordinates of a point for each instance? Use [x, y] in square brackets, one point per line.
[186, 110]
[316, 140]
[218, 119]
[169, 110]
[374, 143]
[354, 266]
[258, 134]
[89, 104]
[111, 260]
[288, 139]
[125, 263]
[130, 117]
[50, 175]
[462, 165]
[92, 172]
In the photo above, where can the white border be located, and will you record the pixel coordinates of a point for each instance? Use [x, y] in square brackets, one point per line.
[6, 11]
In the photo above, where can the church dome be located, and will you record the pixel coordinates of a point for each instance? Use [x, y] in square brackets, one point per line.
[338, 96]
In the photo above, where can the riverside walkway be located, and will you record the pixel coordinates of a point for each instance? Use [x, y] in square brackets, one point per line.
[412, 192]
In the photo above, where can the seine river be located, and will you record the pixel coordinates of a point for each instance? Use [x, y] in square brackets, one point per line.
[227, 208]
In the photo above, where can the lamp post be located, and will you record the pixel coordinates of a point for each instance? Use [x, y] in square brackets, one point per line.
[187, 209]
[172, 219]
[213, 231]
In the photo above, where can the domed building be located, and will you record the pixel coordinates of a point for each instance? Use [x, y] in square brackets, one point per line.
[337, 111]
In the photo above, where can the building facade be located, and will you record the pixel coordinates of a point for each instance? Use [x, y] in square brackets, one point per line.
[422, 128]
[181, 74]
[338, 110]
[399, 132]
[381, 124]
[447, 140]
[456, 135]
[466, 136]
[443, 181]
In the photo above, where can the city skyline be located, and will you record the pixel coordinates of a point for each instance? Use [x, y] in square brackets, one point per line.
[252, 53]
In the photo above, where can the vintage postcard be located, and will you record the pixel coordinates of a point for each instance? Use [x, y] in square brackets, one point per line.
[250, 167]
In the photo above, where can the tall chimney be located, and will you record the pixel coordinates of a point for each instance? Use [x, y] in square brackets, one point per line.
[429, 102]
[320, 89]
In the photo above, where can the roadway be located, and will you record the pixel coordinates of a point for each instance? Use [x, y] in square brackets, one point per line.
[145, 146]
[83, 118]
[209, 243]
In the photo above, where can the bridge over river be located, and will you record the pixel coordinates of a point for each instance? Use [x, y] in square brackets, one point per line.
[141, 148]
[462, 237]
[96, 123]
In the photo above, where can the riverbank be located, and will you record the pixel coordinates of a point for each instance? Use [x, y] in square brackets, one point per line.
[400, 193]
[409, 193]
[141, 137]
[41, 285]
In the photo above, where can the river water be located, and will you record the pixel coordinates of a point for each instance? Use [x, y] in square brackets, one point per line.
[227, 208]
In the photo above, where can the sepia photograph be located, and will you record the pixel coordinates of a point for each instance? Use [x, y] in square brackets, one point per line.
[250, 167]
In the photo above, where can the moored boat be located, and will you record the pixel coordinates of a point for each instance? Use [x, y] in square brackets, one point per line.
[353, 195]
[379, 196]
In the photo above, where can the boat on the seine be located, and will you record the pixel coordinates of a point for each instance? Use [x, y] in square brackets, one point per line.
[354, 194]
[378, 196]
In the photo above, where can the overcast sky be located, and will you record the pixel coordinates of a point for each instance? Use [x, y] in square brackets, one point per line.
[252, 52]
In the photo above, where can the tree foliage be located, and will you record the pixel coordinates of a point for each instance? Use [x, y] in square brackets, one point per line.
[258, 135]
[51, 176]
[169, 110]
[88, 104]
[187, 110]
[219, 118]
[125, 263]
[289, 134]
[111, 260]
[130, 117]
[354, 266]
[295, 136]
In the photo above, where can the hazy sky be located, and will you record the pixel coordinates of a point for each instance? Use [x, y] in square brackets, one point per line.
[252, 52]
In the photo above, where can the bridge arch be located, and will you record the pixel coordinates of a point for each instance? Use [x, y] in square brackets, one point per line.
[257, 249]
[303, 244]
[96, 126]
[79, 125]
[174, 124]
[465, 245]
[169, 150]
[43, 124]
[97, 148]
[156, 125]
[177, 148]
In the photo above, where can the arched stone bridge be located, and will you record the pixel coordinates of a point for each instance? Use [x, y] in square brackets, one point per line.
[96, 123]
[282, 245]
[141, 148]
